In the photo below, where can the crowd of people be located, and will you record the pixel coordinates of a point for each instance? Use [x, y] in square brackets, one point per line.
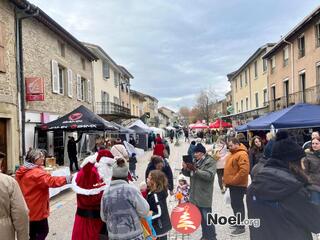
[284, 193]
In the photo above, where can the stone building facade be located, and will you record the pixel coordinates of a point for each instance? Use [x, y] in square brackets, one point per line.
[136, 99]
[64, 65]
[9, 125]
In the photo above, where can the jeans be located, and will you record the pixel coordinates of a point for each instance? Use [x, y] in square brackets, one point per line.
[236, 196]
[39, 229]
[208, 231]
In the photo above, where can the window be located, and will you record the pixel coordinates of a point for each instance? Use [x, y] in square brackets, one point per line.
[265, 97]
[241, 105]
[240, 80]
[236, 83]
[273, 63]
[127, 88]
[62, 48]
[83, 63]
[116, 100]
[122, 104]
[273, 92]
[247, 104]
[318, 73]
[106, 70]
[301, 46]
[61, 79]
[237, 107]
[285, 56]
[246, 77]
[286, 92]
[116, 78]
[122, 87]
[302, 78]
[2, 49]
[317, 29]
[255, 69]
[83, 90]
[265, 65]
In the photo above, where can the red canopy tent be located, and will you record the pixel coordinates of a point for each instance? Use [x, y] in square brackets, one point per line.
[220, 123]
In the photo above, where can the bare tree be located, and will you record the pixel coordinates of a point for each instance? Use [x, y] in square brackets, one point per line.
[205, 104]
[184, 113]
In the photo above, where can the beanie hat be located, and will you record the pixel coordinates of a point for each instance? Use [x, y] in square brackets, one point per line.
[285, 149]
[120, 168]
[200, 148]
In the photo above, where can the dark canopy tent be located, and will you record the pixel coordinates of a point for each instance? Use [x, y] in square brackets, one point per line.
[297, 116]
[141, 137]
[80, 119]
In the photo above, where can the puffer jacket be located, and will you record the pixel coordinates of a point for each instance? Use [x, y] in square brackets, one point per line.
[312, 168]
[13, 210]
[121, 207]
[282, 204]
[35, 182]
[201, 181]
[236, 169]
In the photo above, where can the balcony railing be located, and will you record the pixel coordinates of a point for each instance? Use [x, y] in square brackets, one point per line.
[309, 95]
[111, 108]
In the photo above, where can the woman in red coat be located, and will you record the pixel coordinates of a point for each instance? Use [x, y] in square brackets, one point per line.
[89, 185]
[159, 148]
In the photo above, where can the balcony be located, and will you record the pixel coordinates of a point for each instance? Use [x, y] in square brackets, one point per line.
[110, 108]
[309, 95]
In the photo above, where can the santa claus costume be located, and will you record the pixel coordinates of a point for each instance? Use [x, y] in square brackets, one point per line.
[89, 184]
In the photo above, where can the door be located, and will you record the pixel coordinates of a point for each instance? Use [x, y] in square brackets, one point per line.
[3, 142]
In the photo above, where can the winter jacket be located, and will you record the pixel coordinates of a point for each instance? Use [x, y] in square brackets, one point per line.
[119, 150]
[121, 207]
[254, 156]
[13, 210]
[237, 168]
[282, 203]
[35, 183]
[159, 150]
[201, 181]
[312, 168]
[258, 167]
[160, 215]
[166, 170]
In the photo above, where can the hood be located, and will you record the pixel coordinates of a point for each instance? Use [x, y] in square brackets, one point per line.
[274, 184]
[21, 171]
[241, 148]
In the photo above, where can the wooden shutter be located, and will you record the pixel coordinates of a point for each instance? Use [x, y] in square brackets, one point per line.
[89, 91]
[2, 50]
[79, 92]
[70, 78]
[55, 76]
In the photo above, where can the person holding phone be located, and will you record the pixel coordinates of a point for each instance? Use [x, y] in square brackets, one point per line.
[201, 173]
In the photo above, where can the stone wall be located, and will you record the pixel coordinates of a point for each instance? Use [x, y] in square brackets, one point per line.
[40, 47]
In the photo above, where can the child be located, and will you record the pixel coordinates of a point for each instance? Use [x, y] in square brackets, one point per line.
[182, 193]
[144, 189]
[157, 183]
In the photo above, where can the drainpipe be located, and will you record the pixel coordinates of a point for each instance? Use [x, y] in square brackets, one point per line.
[292, 64]
[19, 16]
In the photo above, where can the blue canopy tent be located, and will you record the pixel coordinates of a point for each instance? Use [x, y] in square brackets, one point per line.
[297, 116]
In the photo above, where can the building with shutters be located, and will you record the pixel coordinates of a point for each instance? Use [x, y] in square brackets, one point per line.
[58, 64]
[294, 65]
[9, 125]
[150, 107]
[137, 99]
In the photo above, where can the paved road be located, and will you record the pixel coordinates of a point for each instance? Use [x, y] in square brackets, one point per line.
[63, 206]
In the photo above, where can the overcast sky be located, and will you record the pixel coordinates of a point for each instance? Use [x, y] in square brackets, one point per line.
[176, 48]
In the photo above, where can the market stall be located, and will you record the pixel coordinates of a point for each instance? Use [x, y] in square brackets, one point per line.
[82, 121]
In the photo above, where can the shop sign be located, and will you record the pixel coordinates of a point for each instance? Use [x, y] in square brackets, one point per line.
[34, 89]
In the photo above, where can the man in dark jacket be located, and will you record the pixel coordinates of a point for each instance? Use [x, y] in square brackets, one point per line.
[280, 198]
[72, 152]
[201, 175]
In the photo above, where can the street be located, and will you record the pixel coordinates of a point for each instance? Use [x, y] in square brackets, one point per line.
[63, 206]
